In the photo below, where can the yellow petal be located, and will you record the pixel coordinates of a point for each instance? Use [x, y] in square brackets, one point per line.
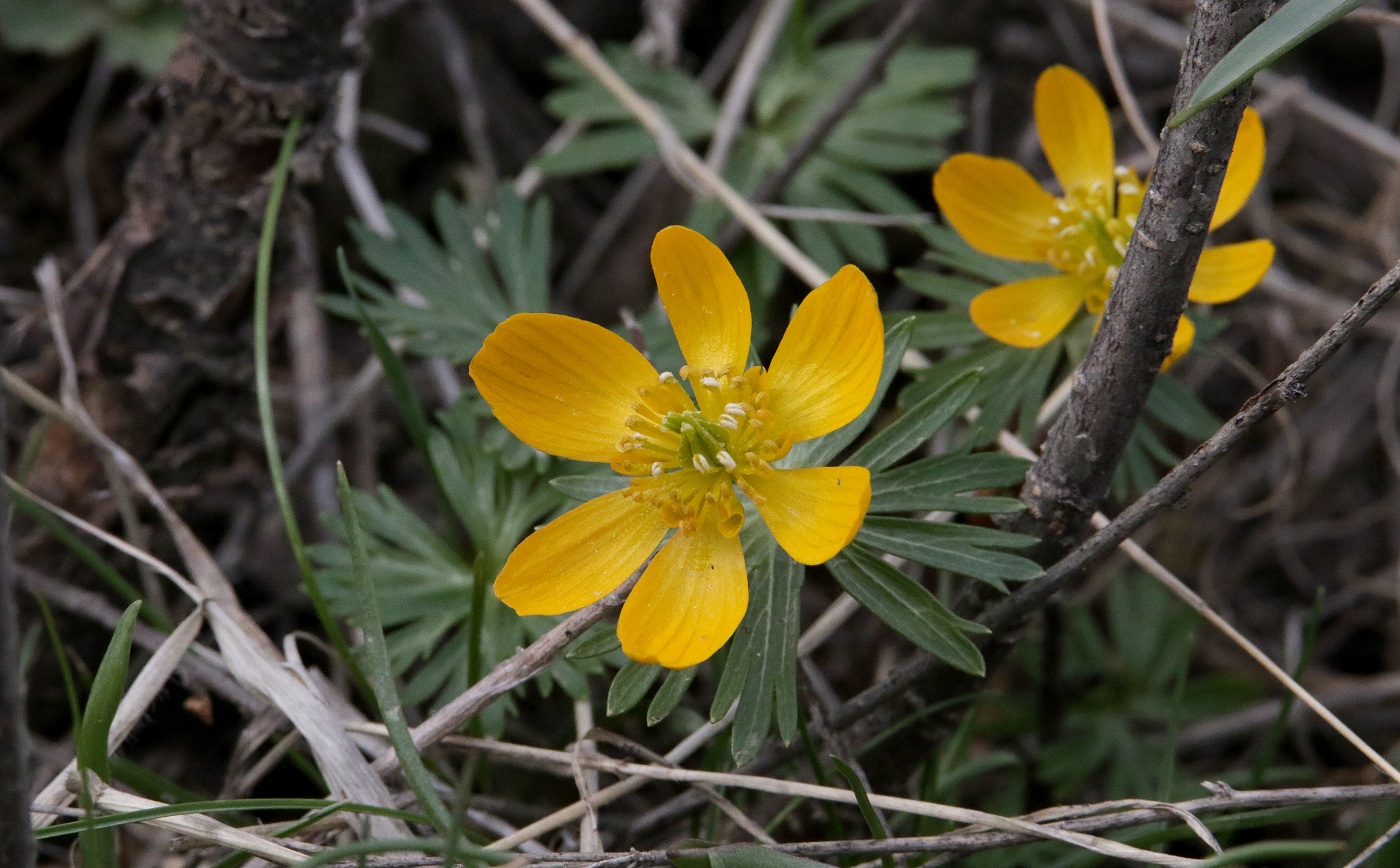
[1181, 341]
[563, 385]
[704, 299]
[995, 205]
[688, 602]
[1229, 271]
[1246, 164]
[827, 365]
[1029, 313]
[813, 512]
[581, 556]
[1074, 129]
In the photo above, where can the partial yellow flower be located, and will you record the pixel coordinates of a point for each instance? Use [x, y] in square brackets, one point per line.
[575, 389]
[1000, 210]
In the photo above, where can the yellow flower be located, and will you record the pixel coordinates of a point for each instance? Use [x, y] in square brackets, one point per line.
[999, 209]
[574, 389]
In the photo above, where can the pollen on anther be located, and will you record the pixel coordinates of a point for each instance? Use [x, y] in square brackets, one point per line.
[735, 410]
[709, 382]
[727, 460]
[701, 463]
[667, 377]
[728, 421]
[656, 468]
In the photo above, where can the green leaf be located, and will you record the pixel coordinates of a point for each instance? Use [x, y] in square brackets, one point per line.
[908, 608]
[670, 694]
[108, 685]
[916, 426]
[943, 329]
[937, 483]
[956, 292]
[771, 683]
[381, 675]
[630, 685]
[867, 810]
[599, 151]
[99, 846]
[1294, 22]
[963, 549]
[821, 451]
[1175, 406]
[51, 26]
[602, 639]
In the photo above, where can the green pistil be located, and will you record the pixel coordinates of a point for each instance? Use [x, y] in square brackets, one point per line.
[699, 436]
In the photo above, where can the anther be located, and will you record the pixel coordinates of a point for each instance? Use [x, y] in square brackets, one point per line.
[701, 463]
[710, 382]
[727, 460]
[728, 421]
[656, 468]
[667, 377]
[735, 410]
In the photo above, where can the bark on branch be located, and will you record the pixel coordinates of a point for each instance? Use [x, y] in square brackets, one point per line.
[1110, 391]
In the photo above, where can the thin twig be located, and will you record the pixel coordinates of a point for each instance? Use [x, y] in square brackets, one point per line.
[1092, 819]
[683, 162]
[471, 107]
[510, 673]
[1103, 30]
[82, 210]
[871, 73]
[741, 86]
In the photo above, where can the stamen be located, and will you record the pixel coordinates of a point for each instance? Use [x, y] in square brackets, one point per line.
[710, 382]
[728, 421]
[701, 463]
[727, 460]
[735, 410]
[656, 468]
[667, 377]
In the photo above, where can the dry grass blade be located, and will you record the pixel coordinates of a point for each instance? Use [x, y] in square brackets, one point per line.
[138, 698]
[252, 658]
[197, 826]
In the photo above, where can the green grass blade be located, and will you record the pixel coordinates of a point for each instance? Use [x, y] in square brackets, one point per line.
[1290, 25]
[261, 291]
[108, 685]
[99, 847]
[867, 810]
[320, 807]
[380, 672]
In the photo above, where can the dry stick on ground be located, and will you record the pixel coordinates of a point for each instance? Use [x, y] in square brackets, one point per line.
[250, 654]
[870, 74]
[1110, 391]
[965, 841]
[471, 110]
[641, 182]
[1287, 387]
[16, 845]
[510, 673]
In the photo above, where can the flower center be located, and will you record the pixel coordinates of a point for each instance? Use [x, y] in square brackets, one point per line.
[687, 457]
[1092, 229]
